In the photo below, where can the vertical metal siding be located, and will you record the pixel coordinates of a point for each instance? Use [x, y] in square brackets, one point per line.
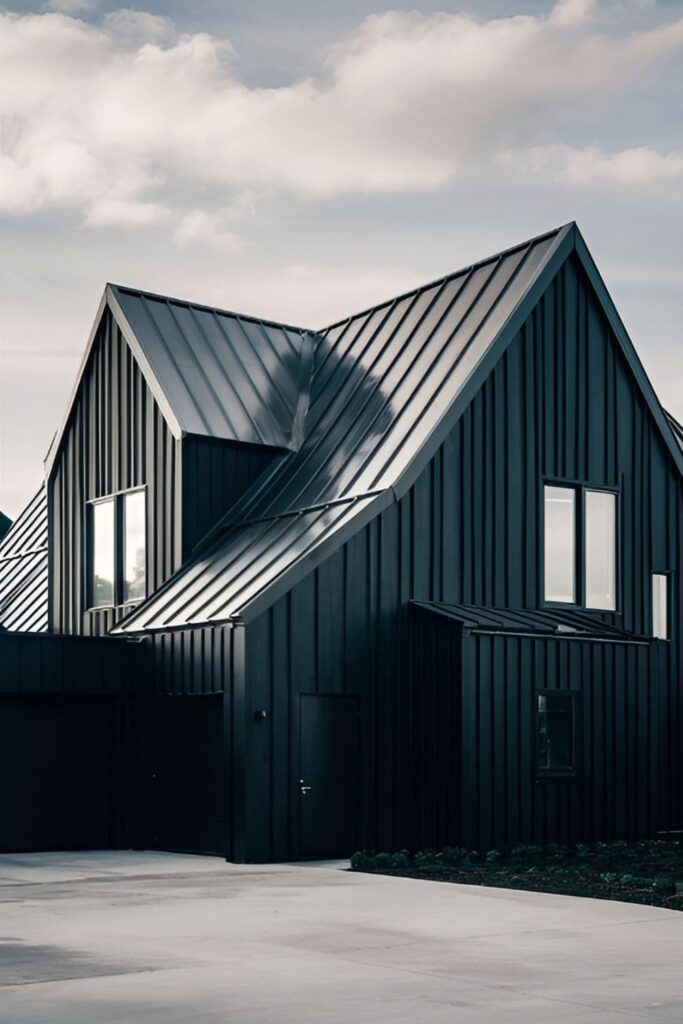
[215, 475]
[617, 788]
[117, 438]
[561, 403]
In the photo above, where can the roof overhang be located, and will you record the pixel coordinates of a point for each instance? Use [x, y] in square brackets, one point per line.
[108, 301]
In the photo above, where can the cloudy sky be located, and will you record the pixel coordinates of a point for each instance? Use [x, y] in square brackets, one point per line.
[300, 160]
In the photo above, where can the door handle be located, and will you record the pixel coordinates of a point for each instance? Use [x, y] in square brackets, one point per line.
[305, 790]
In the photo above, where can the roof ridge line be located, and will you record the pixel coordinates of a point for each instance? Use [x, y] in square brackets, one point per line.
[447, 277]
[130, 290]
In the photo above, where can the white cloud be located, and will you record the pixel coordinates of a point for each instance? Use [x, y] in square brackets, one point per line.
[120, 119]
[104, 212]
[207, 228]
[639, 165]
[573, 12]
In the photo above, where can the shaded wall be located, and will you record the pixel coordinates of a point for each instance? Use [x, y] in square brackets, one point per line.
[117, 439]
[561, 403]
[620, 757]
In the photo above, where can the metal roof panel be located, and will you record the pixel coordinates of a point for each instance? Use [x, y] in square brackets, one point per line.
[225, 376]
[23, 569]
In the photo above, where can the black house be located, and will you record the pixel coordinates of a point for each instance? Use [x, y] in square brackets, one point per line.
[412, 580]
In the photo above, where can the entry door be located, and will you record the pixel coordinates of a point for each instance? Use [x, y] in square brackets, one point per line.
[329, 781]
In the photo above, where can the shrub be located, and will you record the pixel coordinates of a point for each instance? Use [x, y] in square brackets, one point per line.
[382, 861]
[454, 855]
[401, 860]
[360, 861]
[427, 858]
[493, 858]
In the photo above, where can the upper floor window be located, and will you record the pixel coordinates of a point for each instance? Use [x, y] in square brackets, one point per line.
[580, 546]
[560, 542]
[118, 549]
[600, 554]
[660, 612]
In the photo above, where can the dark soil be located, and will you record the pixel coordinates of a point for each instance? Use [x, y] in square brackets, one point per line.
[648, 873]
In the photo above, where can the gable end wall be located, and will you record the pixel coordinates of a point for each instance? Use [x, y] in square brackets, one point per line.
[561, 402]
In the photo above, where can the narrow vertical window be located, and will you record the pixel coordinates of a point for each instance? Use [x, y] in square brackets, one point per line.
[134, 549]
[103, 553]
[555, 725]
[660, 624]
[600, 549]
[559, 544]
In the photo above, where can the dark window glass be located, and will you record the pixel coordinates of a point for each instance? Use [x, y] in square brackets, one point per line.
[555, 719]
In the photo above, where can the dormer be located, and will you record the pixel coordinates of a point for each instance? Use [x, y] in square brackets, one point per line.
[177, 410]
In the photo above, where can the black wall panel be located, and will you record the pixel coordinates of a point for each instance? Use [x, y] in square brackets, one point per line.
[561, 403]
[619, 718]
[57, 775]
[116, 438]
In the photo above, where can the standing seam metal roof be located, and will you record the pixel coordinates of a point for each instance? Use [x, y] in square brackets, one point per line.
[562, 622]
[382, 382]
[223, 375]
[23, 569]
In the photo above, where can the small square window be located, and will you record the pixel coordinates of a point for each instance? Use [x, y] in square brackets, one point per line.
[555, 733]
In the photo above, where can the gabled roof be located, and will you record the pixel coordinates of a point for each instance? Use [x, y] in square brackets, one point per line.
[361, 406]
[384, 383]
[213, 373]
[23, 569]
[558, 622]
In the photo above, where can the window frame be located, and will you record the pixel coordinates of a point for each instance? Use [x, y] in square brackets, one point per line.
[580, 487]
[557, 774]
[118, 498]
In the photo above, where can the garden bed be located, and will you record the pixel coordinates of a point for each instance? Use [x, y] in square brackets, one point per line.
[649, 871]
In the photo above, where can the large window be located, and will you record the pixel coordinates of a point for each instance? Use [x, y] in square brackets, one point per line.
[660, 611]
[118, 549]
[580, 546]
[555, 733]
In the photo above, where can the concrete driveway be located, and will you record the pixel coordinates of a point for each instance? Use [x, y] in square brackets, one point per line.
[161, 938]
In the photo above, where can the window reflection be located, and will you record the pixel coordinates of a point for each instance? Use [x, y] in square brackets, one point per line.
[103, 553]
[134, 574]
